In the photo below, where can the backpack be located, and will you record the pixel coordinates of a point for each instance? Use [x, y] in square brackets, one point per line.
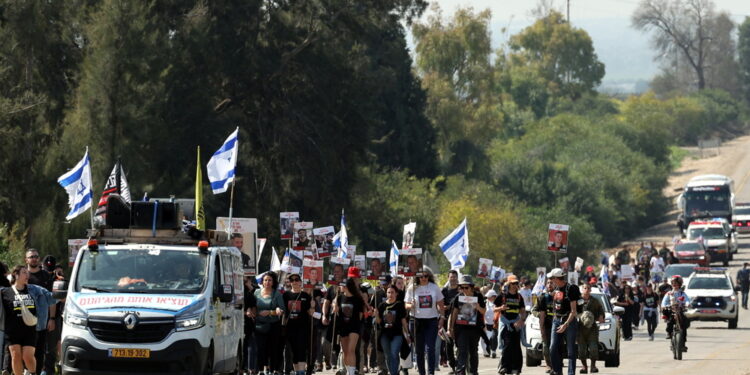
[586, 319]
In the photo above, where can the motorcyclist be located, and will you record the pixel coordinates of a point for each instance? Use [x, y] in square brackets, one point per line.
[675, 299]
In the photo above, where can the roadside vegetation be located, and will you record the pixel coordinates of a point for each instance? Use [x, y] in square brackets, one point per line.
[335, 112]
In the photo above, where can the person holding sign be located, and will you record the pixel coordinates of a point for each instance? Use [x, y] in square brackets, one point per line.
[425, 300]
[348, 307]
[299, 308]
[465, 326]
[564, 324]
[512, 311]
[391, 319]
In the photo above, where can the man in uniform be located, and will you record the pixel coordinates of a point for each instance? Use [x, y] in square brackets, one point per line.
[588, 330]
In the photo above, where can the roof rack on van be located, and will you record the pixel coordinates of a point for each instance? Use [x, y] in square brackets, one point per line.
[117, 236]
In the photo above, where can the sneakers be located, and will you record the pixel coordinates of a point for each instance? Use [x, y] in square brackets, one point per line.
[486, 355]
[493, 355]
[650, 337]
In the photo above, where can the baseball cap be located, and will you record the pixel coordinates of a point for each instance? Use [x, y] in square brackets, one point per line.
[556, 272]
[491, 293]
[353, 273]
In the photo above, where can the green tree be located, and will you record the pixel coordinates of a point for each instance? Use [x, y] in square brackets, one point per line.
[562, 54]
[743, 50]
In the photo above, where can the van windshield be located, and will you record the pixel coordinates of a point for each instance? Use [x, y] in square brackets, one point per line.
[142, 271]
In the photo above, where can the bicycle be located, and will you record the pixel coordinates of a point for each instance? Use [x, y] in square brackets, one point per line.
[678, 334]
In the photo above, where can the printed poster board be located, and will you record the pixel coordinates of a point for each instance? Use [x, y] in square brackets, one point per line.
[410, 262]
[376, 264]
[485, 266]
[244, 231]
[74, 246]
[557, 239]
[303, 234]
[324, 241]
[287, 221]
[312, 274]
[408, 239]
[339, 266]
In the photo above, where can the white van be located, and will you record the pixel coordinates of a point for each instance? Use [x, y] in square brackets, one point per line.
[153, 302]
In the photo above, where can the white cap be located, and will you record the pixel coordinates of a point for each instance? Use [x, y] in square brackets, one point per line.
[556, 272]
[490, 293]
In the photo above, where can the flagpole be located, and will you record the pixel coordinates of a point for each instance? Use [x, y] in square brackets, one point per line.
[231, 202]
[91, 191]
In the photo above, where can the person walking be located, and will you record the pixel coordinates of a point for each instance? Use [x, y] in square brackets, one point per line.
[545, 309]
[299, 309]
[270, 309]
[391, 319]
[588, 329]
[250, 351]
[349, 307]
[450, 291]
[41, 277]
[564, 324]
[651, 310]
[743, 280]
[625, 299]
[425, 300]
[489, 340]
[465, 325]
[21, 333]
[512, 311]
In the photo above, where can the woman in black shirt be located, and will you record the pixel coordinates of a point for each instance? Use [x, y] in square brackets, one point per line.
[348, 307]
[626, 300]
[391, 319]
[21, 337]
[651, 310]
[299, 310]
[465, 325]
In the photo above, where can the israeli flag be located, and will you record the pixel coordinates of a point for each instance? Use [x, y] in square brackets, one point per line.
[341, 239]
[222, 164]
[393, 259]
[456, 246]
[77, 183]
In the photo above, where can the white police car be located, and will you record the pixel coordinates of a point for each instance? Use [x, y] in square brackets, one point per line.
[712, 297]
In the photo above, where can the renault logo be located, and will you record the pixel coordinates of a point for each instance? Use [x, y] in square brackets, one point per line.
[130, 321]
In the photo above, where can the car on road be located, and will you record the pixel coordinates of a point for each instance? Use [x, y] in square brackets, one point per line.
[609, 334]
[718, 237]
[691, 251]
[712, 297]
[741, 218]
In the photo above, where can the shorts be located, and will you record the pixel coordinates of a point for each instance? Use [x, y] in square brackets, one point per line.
[25, 337]
[351, 327]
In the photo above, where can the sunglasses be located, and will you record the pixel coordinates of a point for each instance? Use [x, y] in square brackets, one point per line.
[294, 280]
[33, 257]
[465, 287]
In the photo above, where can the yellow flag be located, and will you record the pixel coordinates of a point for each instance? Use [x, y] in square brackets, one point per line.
[200, 215]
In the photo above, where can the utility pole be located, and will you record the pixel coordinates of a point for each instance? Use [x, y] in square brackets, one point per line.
[568, 13]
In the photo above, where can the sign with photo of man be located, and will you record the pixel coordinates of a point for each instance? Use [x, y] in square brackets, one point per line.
[410, 262]
[287, 221]
[312, 273]
[244, 237]
[376, 264]
[485, 266]
[303, 235]
[557, 240]
[324, 241]
[338, 270]
[409, 231]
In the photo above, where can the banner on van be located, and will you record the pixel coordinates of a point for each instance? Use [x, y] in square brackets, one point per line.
[160, 302]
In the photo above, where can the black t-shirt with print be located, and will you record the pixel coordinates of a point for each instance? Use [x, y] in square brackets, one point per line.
[468, 316]
[350, 309]
[297, 305]
[651, 300]
[514, 302]
[562, 296]
[390, 318]
[12, 304]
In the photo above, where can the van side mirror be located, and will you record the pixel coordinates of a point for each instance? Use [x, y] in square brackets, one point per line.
[226, 293]
[60, 289]
[618, 310]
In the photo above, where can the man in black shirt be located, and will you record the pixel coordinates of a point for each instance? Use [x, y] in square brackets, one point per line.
[39, 276]
[743, 280]
[448, 350]
[564, 324]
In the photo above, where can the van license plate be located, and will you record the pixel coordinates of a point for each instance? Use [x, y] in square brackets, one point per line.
[129, 353]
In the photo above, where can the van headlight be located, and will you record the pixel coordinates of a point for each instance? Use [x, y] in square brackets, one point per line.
[74, 316]
[192, 317]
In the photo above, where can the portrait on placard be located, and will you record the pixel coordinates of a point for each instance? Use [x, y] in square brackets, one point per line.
[557, 239]
[541, 272]
[564, 263]
[324, 241]
[578, 264]
[467, 313]
[338, 267]
[243, 237]
[74, 245]
[359, 262]
[408, 239]
[410, 262]
[498, 274]
[303, 234]
[376, 264]
[292, 261]
[287, 220]
[312, 274]
[485, 266]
